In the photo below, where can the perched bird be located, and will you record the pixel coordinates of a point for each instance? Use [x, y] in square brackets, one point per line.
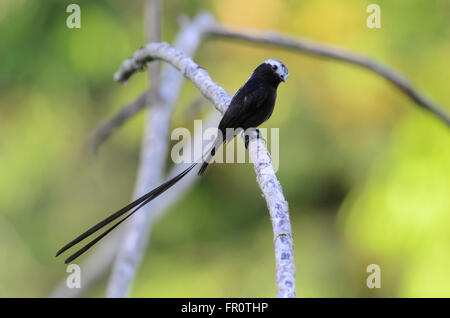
[252, 105]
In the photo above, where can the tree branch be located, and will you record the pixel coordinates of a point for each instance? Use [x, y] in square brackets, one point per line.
[270, 187]
[96, 264]
[154, 152]
[150, 172]
[108, 126]
[327, 51]
[337, 53]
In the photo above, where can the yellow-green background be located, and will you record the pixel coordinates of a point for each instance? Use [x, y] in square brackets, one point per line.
[365, 171]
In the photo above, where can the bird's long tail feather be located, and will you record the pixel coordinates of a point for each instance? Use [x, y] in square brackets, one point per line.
[135, 205]
[206, 162]
[209, 156]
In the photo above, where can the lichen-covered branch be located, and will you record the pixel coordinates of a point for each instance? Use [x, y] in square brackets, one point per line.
[265, 175]
[279, 214]
[183, 63]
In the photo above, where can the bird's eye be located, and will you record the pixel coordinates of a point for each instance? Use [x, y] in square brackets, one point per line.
[274, 67]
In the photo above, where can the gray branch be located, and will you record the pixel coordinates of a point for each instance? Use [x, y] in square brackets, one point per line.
[96, 265]
[328, 51]
[266, 178]
[108, 126]
[153, 157]
[150, 171]
[319, 49]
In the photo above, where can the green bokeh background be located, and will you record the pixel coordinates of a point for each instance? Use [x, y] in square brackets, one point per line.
[365, 171]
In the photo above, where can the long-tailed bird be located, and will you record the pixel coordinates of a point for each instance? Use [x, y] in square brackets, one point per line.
[252, 105]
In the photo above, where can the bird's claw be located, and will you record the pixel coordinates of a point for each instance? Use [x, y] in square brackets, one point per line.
[251, 133]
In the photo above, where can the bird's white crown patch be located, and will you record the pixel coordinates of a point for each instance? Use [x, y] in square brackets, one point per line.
[279, 68]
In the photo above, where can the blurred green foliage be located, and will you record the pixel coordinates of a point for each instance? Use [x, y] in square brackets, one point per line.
[366, 173]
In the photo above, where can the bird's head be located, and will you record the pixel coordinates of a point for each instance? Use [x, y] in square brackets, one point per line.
[278, 68]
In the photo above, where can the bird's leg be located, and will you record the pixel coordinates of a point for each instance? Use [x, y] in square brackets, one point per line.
[251, 133]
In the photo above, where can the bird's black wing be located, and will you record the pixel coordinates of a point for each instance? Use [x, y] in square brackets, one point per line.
[244, 104]
[243, 109]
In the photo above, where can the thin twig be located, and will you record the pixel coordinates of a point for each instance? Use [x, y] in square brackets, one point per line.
[108, 126]
[266, 178]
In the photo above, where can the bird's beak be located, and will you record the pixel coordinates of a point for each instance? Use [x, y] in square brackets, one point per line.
[283, 78]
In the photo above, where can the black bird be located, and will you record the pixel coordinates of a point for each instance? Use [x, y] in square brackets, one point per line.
[252, 105]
